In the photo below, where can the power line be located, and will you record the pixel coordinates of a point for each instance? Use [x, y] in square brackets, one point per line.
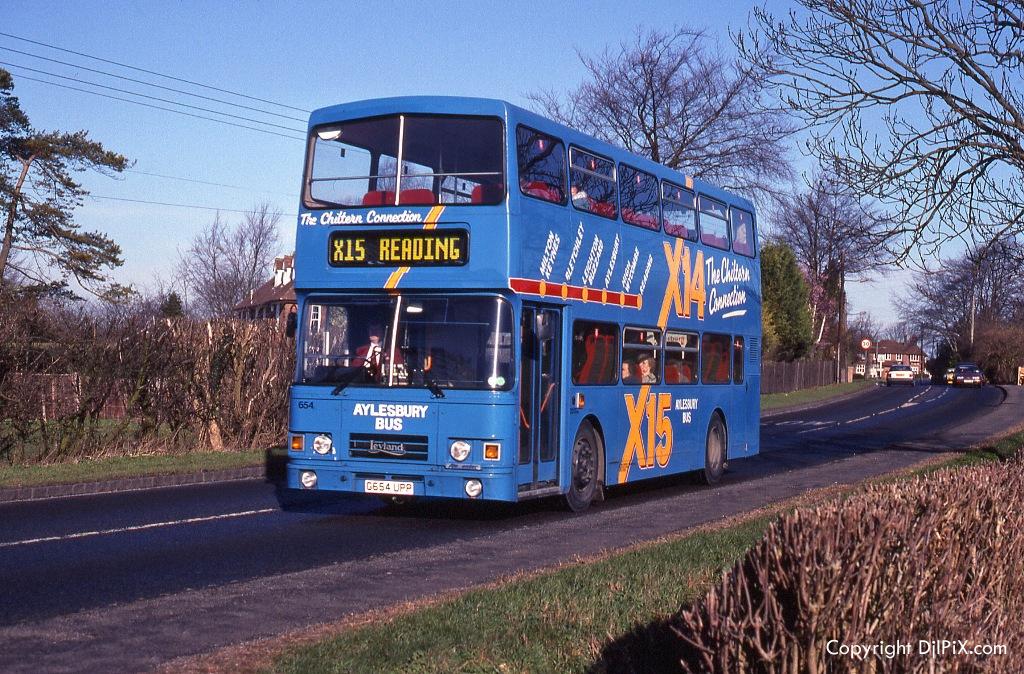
[152, 98]
[153, 72]
[159, 107]
[144, 83]
[164, 203]
[206, 182]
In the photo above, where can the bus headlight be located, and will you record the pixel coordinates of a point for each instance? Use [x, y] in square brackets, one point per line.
[474, 488]
[459, 450]
[308, 479]
[322, 444]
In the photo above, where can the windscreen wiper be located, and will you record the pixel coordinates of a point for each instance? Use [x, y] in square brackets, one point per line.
[432, 386]
[412, 356]
[345, 380]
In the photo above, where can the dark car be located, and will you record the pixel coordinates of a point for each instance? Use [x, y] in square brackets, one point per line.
[968, 375]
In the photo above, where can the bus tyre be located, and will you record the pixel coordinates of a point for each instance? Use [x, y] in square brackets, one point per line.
[715, 450]
[585, 463]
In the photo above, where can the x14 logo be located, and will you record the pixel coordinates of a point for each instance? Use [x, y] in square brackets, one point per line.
[657, 445]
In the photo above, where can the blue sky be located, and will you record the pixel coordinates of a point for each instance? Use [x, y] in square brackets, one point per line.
[306, 55]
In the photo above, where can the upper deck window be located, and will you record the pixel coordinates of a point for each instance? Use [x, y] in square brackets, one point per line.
[742, 232]
[679, 211]
[444, 159]
[638, 192]
[592, 183]
[541, 165]
[714, 223]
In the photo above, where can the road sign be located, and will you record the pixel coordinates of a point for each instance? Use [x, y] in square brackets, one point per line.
[865, 344]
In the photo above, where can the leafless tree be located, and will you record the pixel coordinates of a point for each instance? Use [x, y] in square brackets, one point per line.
[667, 96]
[916, 103]
[833, 235]
[903, 332]
[957, 296]
[223, 263]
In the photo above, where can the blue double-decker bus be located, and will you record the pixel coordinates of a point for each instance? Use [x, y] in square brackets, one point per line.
[494, 306]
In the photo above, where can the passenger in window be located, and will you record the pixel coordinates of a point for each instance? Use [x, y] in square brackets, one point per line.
[647, 364]
[628, 374]
[580, 198]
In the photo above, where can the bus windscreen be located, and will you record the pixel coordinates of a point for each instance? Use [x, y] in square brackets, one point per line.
[462, 342]
[445, 160]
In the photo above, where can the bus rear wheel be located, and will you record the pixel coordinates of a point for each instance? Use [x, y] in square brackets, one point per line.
[584, 474]
[715, 450]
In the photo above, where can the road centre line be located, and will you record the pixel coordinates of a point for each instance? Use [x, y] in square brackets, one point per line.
[138, 527]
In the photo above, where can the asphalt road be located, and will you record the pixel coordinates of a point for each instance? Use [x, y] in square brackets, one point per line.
[131, 580]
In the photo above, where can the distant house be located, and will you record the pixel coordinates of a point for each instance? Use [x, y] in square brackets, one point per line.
[275, 299]
[888, 352]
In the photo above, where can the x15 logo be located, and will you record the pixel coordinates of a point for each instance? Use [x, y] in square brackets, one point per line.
[657, 446]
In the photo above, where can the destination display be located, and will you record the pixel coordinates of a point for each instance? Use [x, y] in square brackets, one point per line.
[403, 248]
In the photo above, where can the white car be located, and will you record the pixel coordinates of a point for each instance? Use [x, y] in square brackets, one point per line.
[900, 374]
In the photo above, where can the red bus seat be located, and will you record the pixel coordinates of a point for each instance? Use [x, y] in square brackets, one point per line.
[379, 198]
[543, 190]
[605, 208]
[645, 220]
[600, 362]
[488, 193]
[416, 196]
[672, 375]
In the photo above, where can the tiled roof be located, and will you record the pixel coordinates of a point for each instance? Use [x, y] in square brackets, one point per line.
[268, 293]
[892, 346]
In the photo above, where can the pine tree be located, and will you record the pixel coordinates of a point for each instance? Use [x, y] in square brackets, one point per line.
[42, 247]
[172, 307]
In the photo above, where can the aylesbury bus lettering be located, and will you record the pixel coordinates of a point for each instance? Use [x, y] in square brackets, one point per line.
[687, 406]
[390, 416]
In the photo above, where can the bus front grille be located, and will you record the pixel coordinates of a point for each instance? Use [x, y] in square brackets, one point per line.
[399, 447]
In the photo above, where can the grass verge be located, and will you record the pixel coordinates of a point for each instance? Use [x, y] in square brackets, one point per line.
[95, 470]
[551, 621]
[774, 401]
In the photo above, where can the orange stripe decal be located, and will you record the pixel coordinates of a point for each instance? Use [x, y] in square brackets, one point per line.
[431, 223]
[565, 291]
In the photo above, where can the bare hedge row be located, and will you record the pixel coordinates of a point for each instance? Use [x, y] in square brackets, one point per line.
[79, 384]
[938, 558]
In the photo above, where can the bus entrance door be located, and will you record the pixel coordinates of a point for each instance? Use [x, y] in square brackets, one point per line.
[539, 398]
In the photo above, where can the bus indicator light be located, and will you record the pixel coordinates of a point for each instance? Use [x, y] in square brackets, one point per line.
[492, 451]
[297, 443]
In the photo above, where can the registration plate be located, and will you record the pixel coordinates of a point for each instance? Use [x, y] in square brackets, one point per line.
[388, 487]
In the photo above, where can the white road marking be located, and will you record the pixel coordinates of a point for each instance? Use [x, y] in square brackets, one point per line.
[138, 527]
[909, 403]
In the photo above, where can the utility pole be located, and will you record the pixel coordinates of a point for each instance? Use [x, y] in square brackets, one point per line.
[840, 323]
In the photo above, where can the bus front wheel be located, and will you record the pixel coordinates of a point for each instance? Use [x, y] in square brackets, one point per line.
[715, 450]
[583, 481]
